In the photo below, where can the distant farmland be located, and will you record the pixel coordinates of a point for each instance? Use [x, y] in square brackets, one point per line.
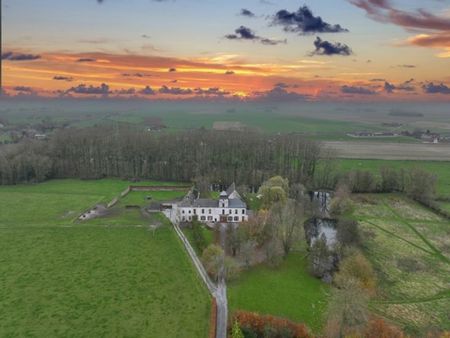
[390, 151]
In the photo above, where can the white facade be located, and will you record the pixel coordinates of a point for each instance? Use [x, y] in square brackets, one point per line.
[229, 208]
[214, 215]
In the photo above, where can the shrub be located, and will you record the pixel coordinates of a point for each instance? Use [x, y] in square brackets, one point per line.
[356, 267]
[348, 232]
[321, 260]
[213, 258]
[255, 325]
[380, 329]
[421, 185]
[236, 332]
[362, 181]
[199, 239]
[391, 180]
[347, 311]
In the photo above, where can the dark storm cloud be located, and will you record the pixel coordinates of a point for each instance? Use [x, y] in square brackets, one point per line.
[229, 72]
[62, 78]
[11, 56]
[128, 91]
[23, 89]
[303, 21]
[214, 91]
[357, 90]
[103, 89]
[139, 75]
[171, 70]
[329, 48]
[247, 13]
[431, 88]
[279, 93]
[147, 91]
[86, 60]
[244, 33]
[389, 87]
[175, 91]
[407, 66]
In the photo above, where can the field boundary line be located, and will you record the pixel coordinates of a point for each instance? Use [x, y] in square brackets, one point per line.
[439, 296]
[399, 237]
[417, 232]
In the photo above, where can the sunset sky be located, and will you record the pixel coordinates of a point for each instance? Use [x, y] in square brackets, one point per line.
[246, 49]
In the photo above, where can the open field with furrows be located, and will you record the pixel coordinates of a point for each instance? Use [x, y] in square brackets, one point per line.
[390, 151]
[288, 291]
[100, 278]
[439, 168]
[409, 247]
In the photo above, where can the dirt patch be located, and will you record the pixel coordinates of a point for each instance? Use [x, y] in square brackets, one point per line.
[98, 211]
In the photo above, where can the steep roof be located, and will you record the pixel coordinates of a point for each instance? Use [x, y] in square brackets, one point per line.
[231, 189]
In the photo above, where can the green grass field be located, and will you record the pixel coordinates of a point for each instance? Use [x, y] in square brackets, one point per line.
[58, 202]
[107, 277]
[409, 247]
[440, 169]
[288, 291]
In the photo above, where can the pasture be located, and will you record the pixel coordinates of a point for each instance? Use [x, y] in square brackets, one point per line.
[107, 277]
[409, 247]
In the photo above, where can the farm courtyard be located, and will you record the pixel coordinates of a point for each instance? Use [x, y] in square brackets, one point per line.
[115, 277]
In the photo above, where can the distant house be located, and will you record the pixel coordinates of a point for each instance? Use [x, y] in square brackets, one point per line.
[429, 137]
[40, 136]
[229, 208]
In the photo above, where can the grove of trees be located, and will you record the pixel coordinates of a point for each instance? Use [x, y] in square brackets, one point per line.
[126, 152]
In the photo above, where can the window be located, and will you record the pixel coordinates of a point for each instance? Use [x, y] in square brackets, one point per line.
[195, 211]
[236, 218]
[183, 219]
[243, 219]
[203, 211]
[235, 212]
[223, 212]
[230, 219]
[182, 211]
[203, 218]
[209, 211]
[210, 218]
[243, 211]
[189, 211]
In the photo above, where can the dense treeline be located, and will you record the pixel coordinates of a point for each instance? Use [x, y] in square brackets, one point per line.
[222, 157]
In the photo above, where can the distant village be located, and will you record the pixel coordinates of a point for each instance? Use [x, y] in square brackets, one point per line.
[44, 128]
[425, 136]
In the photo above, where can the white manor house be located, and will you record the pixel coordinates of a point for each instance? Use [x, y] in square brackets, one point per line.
[229, 208]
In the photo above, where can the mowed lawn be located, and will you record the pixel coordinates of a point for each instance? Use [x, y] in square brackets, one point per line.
[288, 291]
[62, 279]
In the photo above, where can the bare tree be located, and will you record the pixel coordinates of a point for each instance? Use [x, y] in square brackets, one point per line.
[288, 219]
